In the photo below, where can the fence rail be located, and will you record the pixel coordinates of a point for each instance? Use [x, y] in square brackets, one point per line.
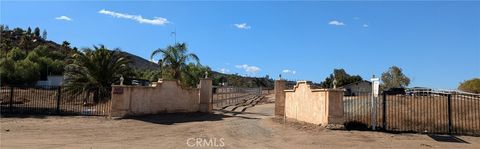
[430, 112]
[225, 96]
[50, 100]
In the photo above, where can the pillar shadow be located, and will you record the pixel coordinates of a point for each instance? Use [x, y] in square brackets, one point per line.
[447, 138]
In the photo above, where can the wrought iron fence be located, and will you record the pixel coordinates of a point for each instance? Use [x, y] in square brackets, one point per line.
[426, 112]
[50, 100]
[226, 96]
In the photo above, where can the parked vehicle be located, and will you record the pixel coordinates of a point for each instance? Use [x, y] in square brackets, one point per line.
[395, 91]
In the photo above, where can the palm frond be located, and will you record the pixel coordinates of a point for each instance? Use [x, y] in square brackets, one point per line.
[94, 71]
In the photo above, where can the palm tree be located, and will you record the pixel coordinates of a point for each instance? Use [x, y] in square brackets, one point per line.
[94, 71]
[174, 61]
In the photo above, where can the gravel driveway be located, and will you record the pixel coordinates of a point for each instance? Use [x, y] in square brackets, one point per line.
[253, 128]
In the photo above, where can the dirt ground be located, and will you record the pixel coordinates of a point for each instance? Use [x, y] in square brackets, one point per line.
[253, 128]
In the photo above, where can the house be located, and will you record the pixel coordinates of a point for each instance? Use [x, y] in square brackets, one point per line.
[53, 80]
[357, 88]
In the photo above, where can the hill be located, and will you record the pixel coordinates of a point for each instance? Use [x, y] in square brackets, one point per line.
[27, 40]
[140, 63]
[50, 58]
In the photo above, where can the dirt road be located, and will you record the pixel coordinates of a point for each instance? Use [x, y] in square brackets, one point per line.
[254, 128]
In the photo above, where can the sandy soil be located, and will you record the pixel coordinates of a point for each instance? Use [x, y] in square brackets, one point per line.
[254, 128]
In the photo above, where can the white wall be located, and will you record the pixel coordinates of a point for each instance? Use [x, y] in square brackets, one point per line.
[51, 81]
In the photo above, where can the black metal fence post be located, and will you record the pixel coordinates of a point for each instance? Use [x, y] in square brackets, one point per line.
[449, 113]
[11, 99]
[384, 115]
[211, 98]
[59, 95]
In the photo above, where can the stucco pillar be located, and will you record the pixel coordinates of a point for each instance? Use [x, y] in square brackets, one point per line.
[280, 97]
[334, 106]
[120, 101]
[205, 95]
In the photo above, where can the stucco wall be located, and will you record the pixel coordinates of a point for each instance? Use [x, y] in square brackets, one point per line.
[317, 106]
[165, 97]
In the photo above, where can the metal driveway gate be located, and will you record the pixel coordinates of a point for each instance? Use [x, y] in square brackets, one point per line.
[50, 100]
[229, 95]
[421, 112]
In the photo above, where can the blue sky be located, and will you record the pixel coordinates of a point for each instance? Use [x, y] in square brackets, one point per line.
[437, 44]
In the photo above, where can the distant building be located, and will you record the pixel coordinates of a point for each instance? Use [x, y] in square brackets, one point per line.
[357, 88]
[51, 81]
[139, 82]
[419, 91]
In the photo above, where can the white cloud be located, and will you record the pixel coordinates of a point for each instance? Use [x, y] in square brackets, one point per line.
[241, 66]
[288, 71]
[336, 23]
[365, 25]
[252, 69]
[247, 68]
[242, 26]
[224, 70]
[138, 18]
[63, 18]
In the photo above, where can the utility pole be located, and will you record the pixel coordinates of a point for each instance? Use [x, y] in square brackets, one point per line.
[174, 34]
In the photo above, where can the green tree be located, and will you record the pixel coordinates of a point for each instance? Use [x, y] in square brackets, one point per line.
[342, 77]
[219, 79]
[44, 35]
[472, 86]
[20, 68]
[29, 31]
[18, 31]
[16, 54]
[65, 44]
[7, 67]
[394, 78]
[195, 72]
[50, 62]
[15, 69]
[36, 32]
[26, 72]
[95, 70]
[151, 75]
[174, 60]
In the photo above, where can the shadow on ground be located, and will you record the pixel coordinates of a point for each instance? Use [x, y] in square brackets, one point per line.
[173, 118]
[45, 115]
[40, 116]
[42, 113]
[236, 113]
[354, 125]
[447, 138]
